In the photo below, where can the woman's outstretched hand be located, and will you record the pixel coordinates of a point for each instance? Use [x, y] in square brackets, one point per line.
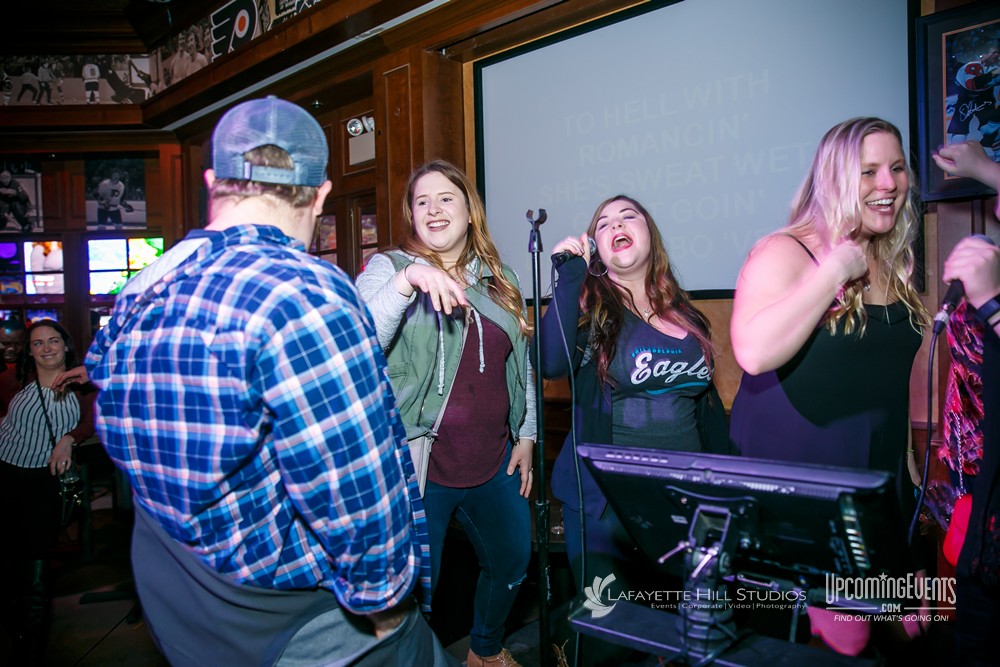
[445, 292]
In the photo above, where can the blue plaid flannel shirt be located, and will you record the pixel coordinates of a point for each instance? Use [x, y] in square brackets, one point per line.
[245, 396]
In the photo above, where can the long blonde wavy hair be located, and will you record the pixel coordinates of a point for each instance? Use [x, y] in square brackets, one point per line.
[828, 207]
[478, 243]
[604, 302]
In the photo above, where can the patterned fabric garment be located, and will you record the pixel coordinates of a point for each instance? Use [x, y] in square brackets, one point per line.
[24, 434]
[246, 397]
[963, 403]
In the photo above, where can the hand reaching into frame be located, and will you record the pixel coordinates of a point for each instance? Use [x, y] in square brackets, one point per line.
[76, 375]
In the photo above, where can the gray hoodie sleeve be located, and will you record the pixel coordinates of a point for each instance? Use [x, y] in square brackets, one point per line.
[386, 304]
[529, 428]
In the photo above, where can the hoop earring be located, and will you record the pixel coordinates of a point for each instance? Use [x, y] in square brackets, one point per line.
[590, 267]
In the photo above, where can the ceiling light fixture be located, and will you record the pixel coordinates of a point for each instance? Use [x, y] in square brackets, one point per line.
[354, 127]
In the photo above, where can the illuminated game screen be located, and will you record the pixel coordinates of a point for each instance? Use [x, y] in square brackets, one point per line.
[114, 261]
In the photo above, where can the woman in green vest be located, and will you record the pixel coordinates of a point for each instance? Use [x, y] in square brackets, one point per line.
[451, 320]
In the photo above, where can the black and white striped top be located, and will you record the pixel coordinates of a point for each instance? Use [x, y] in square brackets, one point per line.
[24, 436]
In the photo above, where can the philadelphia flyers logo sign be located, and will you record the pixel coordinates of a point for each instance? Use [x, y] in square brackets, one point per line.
[233, 25]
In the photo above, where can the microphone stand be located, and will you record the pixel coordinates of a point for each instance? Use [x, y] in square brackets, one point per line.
[541, 483]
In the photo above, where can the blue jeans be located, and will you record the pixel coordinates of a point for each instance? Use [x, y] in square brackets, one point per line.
[496, 519]
[978, 613]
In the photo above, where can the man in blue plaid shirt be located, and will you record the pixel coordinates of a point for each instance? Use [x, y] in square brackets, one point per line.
[243, 391]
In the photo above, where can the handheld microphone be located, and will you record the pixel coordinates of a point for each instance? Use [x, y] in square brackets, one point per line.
[954, 294]
[561, 258]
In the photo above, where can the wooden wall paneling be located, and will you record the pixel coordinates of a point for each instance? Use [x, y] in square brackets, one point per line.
[163, 202]
[918, 375]
[71, 117]
[189, 172]
[727, 371]
[75, 316]
[52, 196]
[337, 144]
[945, 226]
[348, 239]
[469, 119]
[158, 200]
[419, 115]
[396, 142]
[443, 101]
[76, 217]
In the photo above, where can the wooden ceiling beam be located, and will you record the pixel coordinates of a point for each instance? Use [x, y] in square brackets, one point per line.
[542, 23]
[290, 60]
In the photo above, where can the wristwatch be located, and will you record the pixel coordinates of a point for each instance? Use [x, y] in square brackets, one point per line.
[986, 311]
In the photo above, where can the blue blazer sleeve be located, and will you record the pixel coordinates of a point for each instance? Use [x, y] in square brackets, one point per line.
[560, 333]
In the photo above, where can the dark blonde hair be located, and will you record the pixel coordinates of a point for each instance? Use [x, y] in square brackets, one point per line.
[604, 302]
[297, 196]
[478, 243]
[827, 206]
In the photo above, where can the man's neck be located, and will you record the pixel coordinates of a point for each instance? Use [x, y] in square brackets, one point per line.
[257, 210]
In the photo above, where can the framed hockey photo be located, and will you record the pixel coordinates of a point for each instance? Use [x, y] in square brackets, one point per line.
[20, 195]
[115, 193]
[957, 74]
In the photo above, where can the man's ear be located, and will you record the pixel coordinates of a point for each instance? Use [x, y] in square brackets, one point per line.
[321, 195]
[209, 177]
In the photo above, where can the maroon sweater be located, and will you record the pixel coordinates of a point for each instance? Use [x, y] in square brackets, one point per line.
[472, 438]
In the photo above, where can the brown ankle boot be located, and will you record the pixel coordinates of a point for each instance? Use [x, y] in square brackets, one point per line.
[501, 659]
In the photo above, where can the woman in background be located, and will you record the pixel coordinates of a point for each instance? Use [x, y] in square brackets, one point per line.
[826, 322]
[620, 315]
[976, 262]
[451, 319]
[30, 464]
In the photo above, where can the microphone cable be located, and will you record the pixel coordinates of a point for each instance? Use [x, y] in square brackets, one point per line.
[573, 443]
[927, 452]
[927, 444]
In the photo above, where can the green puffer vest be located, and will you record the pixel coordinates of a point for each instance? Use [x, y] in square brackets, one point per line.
[414, 359]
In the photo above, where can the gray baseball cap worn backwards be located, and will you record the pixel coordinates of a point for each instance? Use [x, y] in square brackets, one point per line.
[272, 121]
